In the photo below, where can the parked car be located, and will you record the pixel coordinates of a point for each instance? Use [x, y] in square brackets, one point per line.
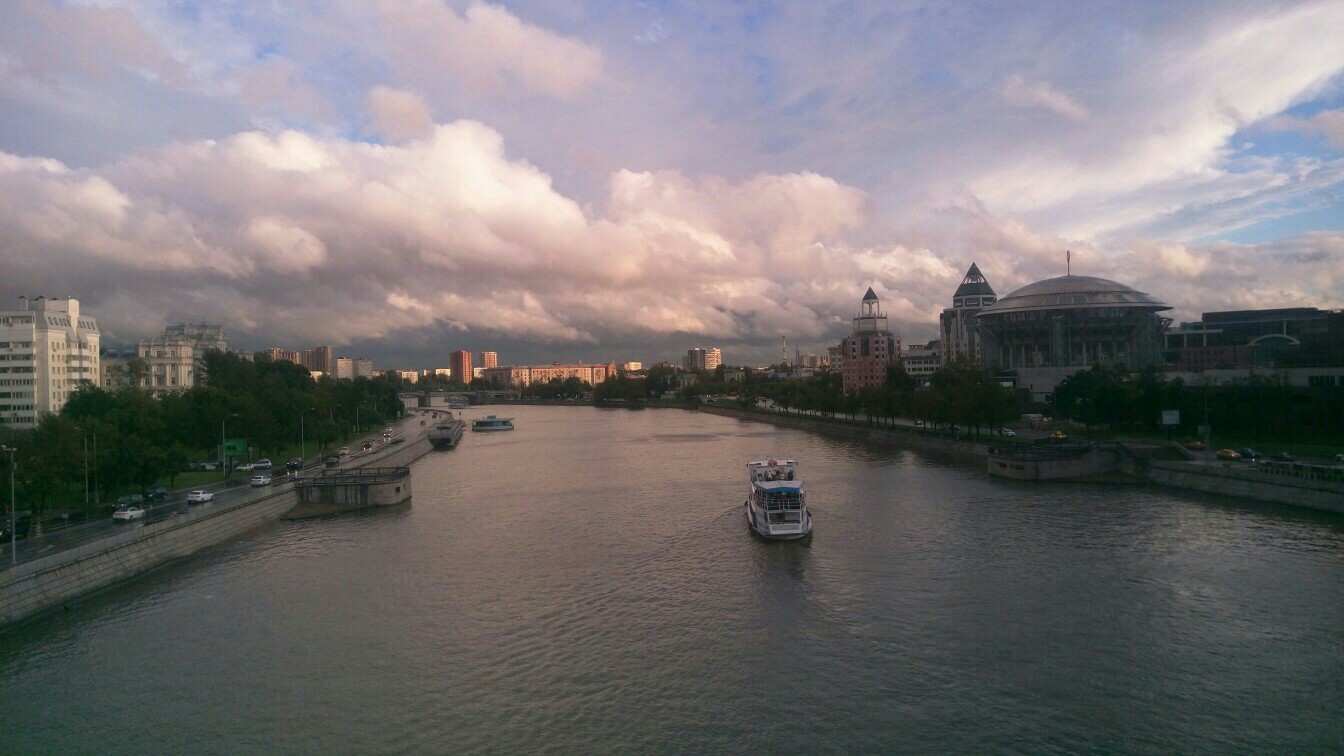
[1194, 445]
[128, 513]
[22, 526]
[207, 465]
[1058, 436]
[1228, 454]
[157, 493]
[261, 480]
[262, 464]
[245, 466]
[129, 500]
[1248, 453]
[1007, 432]
[199, 497]
[1283, 457]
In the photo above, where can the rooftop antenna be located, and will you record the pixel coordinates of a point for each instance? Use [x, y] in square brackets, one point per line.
[1068, 262]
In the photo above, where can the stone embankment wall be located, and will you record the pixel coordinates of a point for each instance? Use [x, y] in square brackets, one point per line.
[1249, 482]
[916, 438]
[50, 582]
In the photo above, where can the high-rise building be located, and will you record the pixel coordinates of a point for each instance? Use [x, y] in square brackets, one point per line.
[489, 359]
[957, 324]
[702, 358]
[47, 350]
[525, 375]
[460, 363]
[342, 367]
[870, 348]
[322, 359]
[363, 367]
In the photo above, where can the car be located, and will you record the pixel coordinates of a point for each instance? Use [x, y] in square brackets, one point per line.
[245, 467]
[1249, 454]
[1194, 445]
[199, 497]
[158, 493]
[129, 500]
[260, 480]
[1283, 457]
[1228, 454]
[368, 445]
[22, 526]
[262, 464]
[345, 451]
[954, 427]
[919, 423]
[1339, 457]
[387, 431]
[333, 461]
[128, 513]
[1059, 436]
[1007, 432]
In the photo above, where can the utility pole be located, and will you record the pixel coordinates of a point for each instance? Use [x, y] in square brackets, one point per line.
[13, 509]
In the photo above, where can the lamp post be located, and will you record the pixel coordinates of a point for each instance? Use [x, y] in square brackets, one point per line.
[303, 442]
[86, 465]
[223, 454]
[96, 498]
[13, 509]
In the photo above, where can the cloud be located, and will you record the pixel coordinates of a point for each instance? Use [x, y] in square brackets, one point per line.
[1018, 91]
[398, 115]
[485, 49]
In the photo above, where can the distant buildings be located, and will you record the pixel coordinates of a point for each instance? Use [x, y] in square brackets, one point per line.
[342, 367]
[525, 375]
[460, 363]
[47, 349]
[957, 324]
[631, 367]
[489, 359]
[702, 359]
[921, 361]
[170, 362]
[1287, 337]
[871, 347]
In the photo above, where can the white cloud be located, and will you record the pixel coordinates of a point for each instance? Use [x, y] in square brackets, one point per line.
[398, 115]
[1018, 91]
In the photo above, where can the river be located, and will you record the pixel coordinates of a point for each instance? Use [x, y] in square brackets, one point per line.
[587, 584]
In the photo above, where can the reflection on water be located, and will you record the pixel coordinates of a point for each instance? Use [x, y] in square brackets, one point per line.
[588, 583]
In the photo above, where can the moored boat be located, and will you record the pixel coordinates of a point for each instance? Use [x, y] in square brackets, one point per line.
[492, 423]
[446, 434]
[776, 504]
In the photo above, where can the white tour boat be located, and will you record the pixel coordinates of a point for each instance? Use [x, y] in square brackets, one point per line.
[776, 504]
[492, 423]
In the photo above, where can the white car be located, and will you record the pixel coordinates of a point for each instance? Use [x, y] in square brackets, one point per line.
[262, 464]
[199, 497]
[1007, 432]
[261, 480]
[245, 467]
[128, 513]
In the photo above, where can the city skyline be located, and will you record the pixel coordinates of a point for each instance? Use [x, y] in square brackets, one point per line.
[593, 182]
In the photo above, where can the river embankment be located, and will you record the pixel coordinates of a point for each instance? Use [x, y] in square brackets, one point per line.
[1308, 487]
[50, 582]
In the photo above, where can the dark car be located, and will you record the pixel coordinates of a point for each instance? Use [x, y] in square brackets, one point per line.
[129, 500]
[21, 528]
[157, 493]
[1283, 457]
[1250, 454]
[333, 461]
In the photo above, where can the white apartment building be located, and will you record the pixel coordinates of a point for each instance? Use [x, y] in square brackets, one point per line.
[169, 362]
[47, 349]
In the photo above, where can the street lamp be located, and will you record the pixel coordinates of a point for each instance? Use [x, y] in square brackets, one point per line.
[223, 455]
[13, 508]
[303, 442]
[86, 465]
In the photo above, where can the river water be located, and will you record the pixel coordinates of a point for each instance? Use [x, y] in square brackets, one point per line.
[587, 584]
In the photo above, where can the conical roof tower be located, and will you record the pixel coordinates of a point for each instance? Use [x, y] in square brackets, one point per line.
[974, 284]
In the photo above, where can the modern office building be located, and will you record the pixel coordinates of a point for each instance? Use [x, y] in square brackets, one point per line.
[870, 348]
[957, 324]
[702, 359]
[1285, 337]
[47, 350]
[489, 359]
[460, 363]
[1048, 330]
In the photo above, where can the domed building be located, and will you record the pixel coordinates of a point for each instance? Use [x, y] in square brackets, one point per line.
[1048, 330]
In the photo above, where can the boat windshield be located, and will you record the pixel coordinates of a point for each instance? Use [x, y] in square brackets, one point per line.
[782, 499]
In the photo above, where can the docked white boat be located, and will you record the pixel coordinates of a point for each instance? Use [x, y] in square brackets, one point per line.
[776, 504]
[492, 423]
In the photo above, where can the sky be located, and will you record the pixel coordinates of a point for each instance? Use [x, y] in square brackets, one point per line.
[613, 181]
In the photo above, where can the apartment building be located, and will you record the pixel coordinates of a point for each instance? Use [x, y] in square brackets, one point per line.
[47, 349]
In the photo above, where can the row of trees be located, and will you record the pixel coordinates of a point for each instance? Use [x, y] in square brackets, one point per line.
[128, 440]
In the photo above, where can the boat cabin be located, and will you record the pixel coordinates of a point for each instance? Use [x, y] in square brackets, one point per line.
[762, 471]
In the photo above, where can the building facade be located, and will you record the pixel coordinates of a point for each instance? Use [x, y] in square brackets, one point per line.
[489, 359]
[518, 376]
[1051, 329]
[702, 359]
[957, 324]
[342, 367]
[460, 363]
[921, 361]
[870, 348]
[1285, 337]
[47, 350]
